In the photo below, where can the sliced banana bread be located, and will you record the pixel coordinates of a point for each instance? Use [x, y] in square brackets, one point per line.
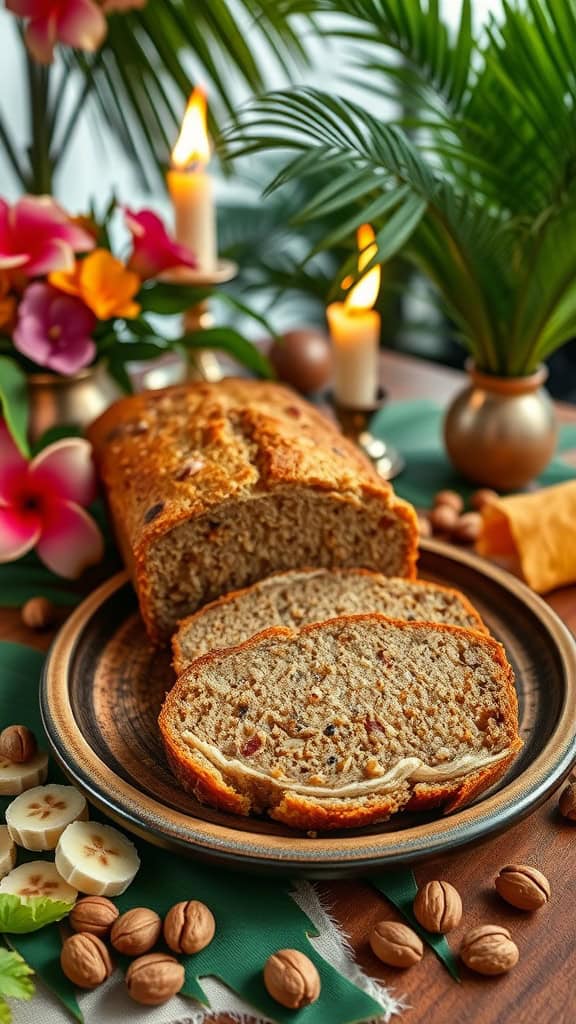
[298, 598]
[214, 486]
[344, 722]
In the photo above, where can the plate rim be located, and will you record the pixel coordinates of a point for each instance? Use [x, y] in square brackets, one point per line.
[309, 856]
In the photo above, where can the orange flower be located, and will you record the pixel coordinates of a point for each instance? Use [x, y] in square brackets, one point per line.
[7, 302]
[103, 283]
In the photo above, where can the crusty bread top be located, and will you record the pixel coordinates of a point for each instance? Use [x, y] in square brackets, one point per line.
[168, 455]
[300, 597]
[344, 707]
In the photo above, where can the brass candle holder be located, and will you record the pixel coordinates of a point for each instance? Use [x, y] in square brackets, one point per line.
[203, 363]
[354, 423]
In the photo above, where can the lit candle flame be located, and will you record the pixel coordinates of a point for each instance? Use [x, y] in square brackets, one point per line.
[193, 145]
[365, 292]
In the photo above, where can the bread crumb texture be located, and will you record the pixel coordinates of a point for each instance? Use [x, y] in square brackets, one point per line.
[345, 722]
[214, 486]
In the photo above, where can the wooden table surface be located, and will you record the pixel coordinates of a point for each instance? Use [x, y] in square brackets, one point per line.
[540, 989]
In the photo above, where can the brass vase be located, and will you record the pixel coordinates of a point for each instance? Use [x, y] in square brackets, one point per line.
[501, 431]
[68, 401]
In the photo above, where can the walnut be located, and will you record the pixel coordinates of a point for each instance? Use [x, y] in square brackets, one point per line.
[291, 979]
[17, 744]
[489, 949]
[136, 931]
[85, 960]
[93, 914]
[567, 802]
[396, 944]
[153, 979]
[38, 613]
[189, 927]
[438, 907]
[523, 887]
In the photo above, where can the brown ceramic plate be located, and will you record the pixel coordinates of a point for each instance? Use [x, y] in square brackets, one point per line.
[103, 686]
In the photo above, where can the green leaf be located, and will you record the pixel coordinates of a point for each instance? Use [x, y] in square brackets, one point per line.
[171, 298]
[15, 982]
[14, 399]
[226, 339]
[27, 914]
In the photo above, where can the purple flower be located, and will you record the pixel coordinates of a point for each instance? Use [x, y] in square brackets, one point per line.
[54, 330]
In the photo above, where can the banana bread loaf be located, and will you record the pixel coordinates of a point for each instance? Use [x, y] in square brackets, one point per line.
[214, 486]
[296, 599]
[345, 722]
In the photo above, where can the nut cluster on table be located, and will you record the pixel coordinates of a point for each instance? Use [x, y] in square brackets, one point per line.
[487, 949]
[448, 519]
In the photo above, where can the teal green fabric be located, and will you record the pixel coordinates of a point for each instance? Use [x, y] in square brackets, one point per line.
[415, 428]
[255, 916]
[400, 888]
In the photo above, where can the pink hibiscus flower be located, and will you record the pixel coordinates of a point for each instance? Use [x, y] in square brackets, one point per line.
[77, 23]
[153, 249]
[54, 329]
[41, 505]
[37, 236]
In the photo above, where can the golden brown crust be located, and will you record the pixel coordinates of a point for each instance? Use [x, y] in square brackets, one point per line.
[171, 455]
[178, 662]
[208, 784]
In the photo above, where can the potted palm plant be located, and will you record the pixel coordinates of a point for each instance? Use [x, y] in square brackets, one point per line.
[481, 196]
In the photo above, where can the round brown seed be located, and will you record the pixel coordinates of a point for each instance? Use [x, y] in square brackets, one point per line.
[291, 979]
[136, 931]
[93, 914]
[189, 927]
[17, 744]
[567, 802]
[483, 497]
[85, 960]
[396, 944]
[443, 519]
[153, 979]
[522, 886]
[38, 613]
[450, 499]
[468, 528]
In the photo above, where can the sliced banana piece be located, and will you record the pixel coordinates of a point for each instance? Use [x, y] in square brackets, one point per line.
[37, 818]
[16, 778]
[7, 851]
[38, 878]
[96, 858]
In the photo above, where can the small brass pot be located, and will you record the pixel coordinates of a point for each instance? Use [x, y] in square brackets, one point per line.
[501, 431]
[74, 401]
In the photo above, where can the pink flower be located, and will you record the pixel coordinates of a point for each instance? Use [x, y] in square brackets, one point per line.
[54, 329]
[78, 23]
[153, 249]
[37, 236]
[41, 505]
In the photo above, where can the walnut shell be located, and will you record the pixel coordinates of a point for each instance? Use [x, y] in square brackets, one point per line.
[93, 914]
[17, 744]
[85, 960]
[483, 497]
[523, 887]
[468, 528]
[489, 949]
[396, 944]
[38, 613]
[291, 979]
[136, 931]
[153, 979]
[438, 907]
[443, 519]
[567, 802]
[450, 499]
[189, 927]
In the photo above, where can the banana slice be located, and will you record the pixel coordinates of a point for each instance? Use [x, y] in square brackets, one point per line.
[96, 858]
[38, 878]
[7, 851]
[16, 778]
[37, 818]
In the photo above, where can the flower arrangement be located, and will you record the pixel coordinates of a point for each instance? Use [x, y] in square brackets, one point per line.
[43, 505]
[67, 301]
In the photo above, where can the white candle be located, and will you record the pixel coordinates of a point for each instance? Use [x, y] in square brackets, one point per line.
[191, 187]
[355, 332]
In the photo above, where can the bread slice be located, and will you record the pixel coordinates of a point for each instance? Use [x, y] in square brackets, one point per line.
[212, 487]
[345, 722]
[296, 599]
